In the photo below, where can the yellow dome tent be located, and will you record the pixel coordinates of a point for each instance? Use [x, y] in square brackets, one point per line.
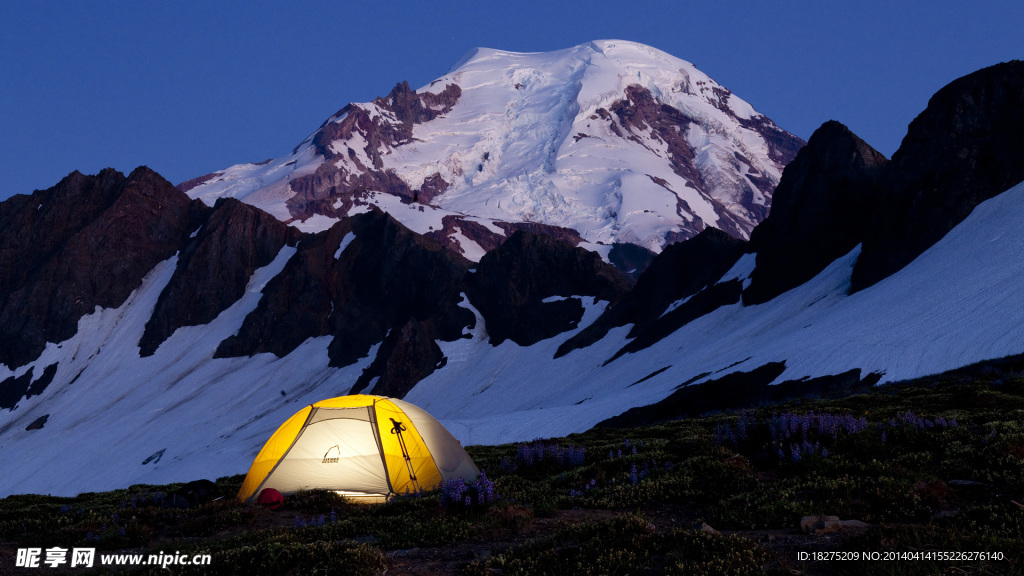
[360, 446]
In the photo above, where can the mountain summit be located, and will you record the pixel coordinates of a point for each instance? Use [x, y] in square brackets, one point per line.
[618, 141]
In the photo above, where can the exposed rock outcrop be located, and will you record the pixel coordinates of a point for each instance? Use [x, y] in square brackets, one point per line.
[631, 259]
[819, 211]
[513, 280]
[13, 389]
[198, 181]
[963, 149]
[703, 302]
[452, 225]
[214, 268]
[384, 280]
[382, 125]
[489, 239]
[641, 113]
[782, 146]
[680, 271]
[567, 235]
[86, 242]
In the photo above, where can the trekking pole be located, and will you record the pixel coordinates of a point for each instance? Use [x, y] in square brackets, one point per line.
[397, 430]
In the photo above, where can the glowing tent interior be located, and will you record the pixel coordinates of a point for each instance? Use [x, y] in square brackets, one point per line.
[360, 446]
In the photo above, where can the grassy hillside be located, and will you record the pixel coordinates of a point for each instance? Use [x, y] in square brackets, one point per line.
[929, 466]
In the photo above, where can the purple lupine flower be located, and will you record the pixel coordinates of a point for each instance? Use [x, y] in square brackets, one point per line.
[807, 448]
[487, 487]
[453, 491]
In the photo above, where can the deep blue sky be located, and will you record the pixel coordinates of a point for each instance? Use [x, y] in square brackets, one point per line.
[189, 88]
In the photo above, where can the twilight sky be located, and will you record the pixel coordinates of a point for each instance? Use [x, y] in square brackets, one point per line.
[190, 88]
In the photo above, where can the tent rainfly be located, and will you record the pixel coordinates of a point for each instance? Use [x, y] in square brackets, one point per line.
[360, 446]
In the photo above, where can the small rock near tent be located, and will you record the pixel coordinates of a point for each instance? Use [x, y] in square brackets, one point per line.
[360, 446]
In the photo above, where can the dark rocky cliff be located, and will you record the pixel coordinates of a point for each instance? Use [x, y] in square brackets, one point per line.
[681, 270]
[214, 268]
[966, 147]
[820, 211]
[512, 281]
[86, 242]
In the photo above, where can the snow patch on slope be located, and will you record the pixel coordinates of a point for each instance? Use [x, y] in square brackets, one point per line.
[344, 244]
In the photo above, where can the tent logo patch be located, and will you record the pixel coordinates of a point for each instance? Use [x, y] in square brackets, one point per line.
[332, 455]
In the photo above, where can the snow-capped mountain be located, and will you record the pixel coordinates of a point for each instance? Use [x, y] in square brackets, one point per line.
[146, 336]
[617, 141]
